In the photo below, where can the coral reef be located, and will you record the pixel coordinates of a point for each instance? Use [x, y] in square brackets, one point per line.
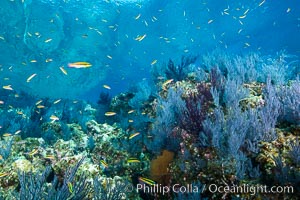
[225, 125]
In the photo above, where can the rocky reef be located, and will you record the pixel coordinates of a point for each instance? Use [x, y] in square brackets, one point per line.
[191, 127]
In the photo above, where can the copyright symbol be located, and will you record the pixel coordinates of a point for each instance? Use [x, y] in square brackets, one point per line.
[129, 188]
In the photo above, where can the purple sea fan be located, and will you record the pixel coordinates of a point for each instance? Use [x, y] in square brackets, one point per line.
[290, 102]
[197, 106]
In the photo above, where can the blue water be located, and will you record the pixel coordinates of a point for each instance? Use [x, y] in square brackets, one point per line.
[92, 30]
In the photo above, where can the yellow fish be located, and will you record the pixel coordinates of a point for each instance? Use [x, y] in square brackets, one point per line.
[54, 118]
[33, 152]
[103, 163]
[133, 160]
[166, 83]
[140, 38]
[153, 62]
[7, 87]
[70, 186]
[48, 40]
[245, 13]
[3, 174]
[63, 70]
[57, 101]
[261, 3]
[147, 181]
[40, 106]
[107, 87]
[38, 102]
[7, 135]
[133, 135]
[79, 65]
[138, 16]
[130, 111]
[30, 77]
[110, 113]
[51, 157]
